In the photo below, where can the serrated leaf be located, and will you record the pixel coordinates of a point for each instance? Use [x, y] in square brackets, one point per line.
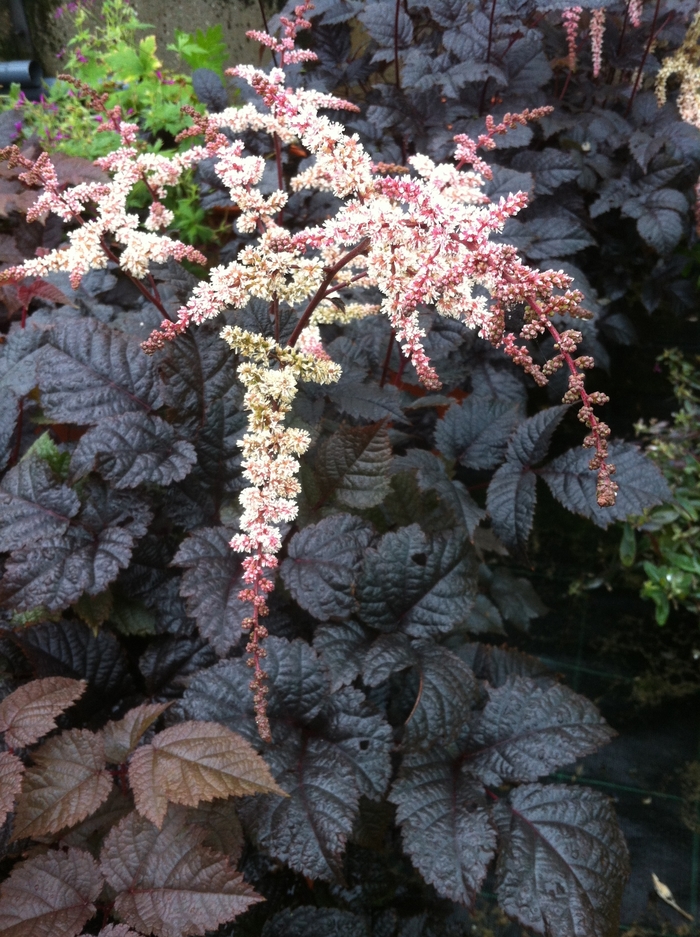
[453, 496]
[222, 829]
[327, 750]
[193, 762]
[563, 860]
[9, 414]
[11, 770]
[510, 501]
[378, 20]
[121, 737]
[417, 583]
[91, 832]
[166, 882]
[323, 563]
[477, 431]
[133, 449]
[354, 464]
[57, 570]
[33, 505]
[30, 712]
[71, 649]
[167, 665]
[342, 647]
[67, 782]
[547, 236]
[198, 369]
[389, 654]
[319, 922]
[89, 372]
[211, 584]
[50, 895]
[550, 167]
[367, 400]
[515, 597]
[209, 89]
[573, 484]
[445, 828]
[447, 692]
[527, 730]
[530, 442]
[497, 664]
[118, 930]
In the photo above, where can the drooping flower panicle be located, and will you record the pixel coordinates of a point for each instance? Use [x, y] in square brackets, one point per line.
[419, 237]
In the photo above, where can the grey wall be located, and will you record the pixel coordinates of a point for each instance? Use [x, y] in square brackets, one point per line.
[49, 34]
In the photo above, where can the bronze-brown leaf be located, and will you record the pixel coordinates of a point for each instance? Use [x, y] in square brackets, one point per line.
[31, 711]
[196, 761]
[67, 784]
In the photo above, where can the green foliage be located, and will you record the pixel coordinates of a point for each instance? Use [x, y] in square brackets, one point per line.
[106, 52]
[202, 50]
[668, 539]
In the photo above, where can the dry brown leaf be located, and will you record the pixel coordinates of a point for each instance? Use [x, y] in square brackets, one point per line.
[67, 784]
[122, 737]
[51, 895]
[11, 770]
[31, 711]
[196, 761]
[166, 882]
[222, 828]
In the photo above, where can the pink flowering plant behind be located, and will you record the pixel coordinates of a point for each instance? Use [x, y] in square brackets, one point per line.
[401, 295]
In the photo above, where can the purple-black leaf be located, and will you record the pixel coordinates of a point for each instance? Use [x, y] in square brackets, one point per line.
[133, 449]
[563, 860]
[323, 563]
[527, 730]
[445, 829]
[328, 749]
[209, 89]
[476, 432]
[211, 585]
[88, 372]
[342, 647]
[33, 505]
[572, 482]
[319, 922]
[417, 583]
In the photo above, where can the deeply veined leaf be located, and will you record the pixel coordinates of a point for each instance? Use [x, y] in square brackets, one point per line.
[89, 372]
[641, 484]
[447, 691]
[527, 730]
[510, 500]
[445, 829]
[342, 647]
[11, 770]
[118, 930]
[323, 563]
[33, 505]
[211, 584]
[222, 829]
[476, 432]
[530, 442]
[193, 762]
[56, 571]
[319, 922]
[563, 860]
[497, 664]
[67, 782]
[166, 882]
[417, 583]
[68, 648]
[31, 711]
[354, 465]
[132, 449]
[122, 737]
[327, 750]
[50, 895]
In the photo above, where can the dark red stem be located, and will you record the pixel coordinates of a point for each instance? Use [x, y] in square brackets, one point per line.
[492, 18]
[652, 36]
[322, 291]
[396, 43]
[387, 358]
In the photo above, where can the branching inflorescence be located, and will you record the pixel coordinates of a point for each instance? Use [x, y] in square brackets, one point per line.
[422, 238]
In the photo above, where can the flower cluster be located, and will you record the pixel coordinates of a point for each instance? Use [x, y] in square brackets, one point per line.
[571, 18]
[597, 29]
[420, 236]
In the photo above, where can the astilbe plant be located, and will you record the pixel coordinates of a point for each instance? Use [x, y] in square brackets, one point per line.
[423, 240]
[374, 731]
